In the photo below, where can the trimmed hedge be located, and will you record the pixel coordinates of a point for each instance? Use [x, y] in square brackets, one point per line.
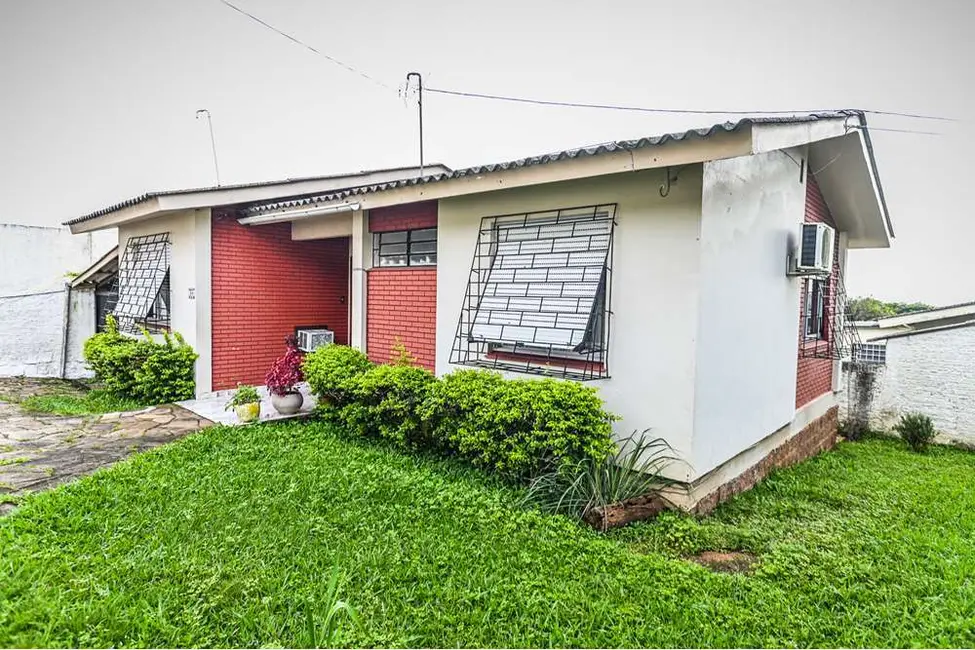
[331, 371]
[143, 369]
[517, 428]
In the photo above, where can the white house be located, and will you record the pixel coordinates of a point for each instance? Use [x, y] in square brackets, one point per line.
[922, 362]
[666, 271]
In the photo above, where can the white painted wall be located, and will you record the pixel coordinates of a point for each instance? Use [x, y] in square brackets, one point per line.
[189, 278]
[748, 308]
[654, 293]
[931, 372]
[34, 267]
[80, 327]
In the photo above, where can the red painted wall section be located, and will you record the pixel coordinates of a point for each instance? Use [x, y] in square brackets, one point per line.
[402, 302]
[404, 217]
[814, 377]
[265, 284]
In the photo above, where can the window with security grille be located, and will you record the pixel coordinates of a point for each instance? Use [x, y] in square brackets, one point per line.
[143, 284]
[875, 353]
[814, 311]
[405, 248]
[538, 294]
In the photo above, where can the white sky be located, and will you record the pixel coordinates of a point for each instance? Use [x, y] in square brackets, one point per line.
[97, 98]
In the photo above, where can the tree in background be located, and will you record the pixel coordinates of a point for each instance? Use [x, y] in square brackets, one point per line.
[869, 308]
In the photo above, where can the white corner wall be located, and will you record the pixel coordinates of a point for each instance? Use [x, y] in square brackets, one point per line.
[748, 308]
[189, 279]
[654, 293]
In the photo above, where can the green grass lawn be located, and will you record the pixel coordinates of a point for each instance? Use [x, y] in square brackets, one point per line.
[92, 402]
[228, 537]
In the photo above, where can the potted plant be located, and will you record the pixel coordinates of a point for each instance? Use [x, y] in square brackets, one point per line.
[246, 403]
[281, 379]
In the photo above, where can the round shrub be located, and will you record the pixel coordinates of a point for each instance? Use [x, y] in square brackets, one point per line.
[331, 369]
[387, 402]
[519, 427]
[917, 430]
[143, 369]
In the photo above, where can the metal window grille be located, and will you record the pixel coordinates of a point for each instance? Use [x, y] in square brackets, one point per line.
[539, 293]
[824, 334]
[143, 291]
[405, 248]
[874, 353]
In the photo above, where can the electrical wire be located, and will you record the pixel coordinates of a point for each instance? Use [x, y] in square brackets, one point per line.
[673, 111]
[301, 43]
[31, 295]
[543, 102]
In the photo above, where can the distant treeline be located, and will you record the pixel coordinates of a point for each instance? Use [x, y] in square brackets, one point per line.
[872, 309]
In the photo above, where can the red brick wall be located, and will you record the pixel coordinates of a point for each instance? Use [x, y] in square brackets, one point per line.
[814, 377]
[404, 217]
[265, 284]
[402, 302]
[818, 436]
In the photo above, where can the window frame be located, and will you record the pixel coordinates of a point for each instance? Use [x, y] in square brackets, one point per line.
[592, 232]
[142, 257]
[814, 310]
[409, 253]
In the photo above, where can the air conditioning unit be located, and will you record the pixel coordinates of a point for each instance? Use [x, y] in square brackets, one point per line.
[310, 339]
[815, 254]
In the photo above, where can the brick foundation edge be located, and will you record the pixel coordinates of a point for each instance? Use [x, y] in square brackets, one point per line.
[816, 437]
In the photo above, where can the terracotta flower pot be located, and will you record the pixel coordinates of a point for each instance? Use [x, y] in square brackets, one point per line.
[288, 403]
[248, 412]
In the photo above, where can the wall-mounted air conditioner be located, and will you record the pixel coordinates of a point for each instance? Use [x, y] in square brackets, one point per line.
[815, 253]
[312, 338]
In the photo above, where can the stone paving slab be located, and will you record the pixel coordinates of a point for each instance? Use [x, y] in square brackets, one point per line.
[38, 451]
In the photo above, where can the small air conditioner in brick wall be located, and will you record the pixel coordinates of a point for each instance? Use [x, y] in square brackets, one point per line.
[815, 253]
[310, 339]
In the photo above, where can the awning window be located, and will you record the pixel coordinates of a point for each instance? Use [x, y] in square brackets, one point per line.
[538, 287]
[143, 271]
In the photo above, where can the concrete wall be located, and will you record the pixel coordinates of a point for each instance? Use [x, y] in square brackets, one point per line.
[932, 373]
[34, 266]
[748, 308]
[189, 278]
[656, 265]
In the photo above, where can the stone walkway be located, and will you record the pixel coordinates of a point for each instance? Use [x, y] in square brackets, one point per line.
[38, 451]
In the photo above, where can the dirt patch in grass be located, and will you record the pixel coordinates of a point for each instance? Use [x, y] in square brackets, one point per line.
[725, 561]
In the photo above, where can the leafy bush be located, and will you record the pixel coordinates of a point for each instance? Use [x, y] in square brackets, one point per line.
[285, 372]
[331, 370]
[519, 427]
[143, 369]
[167, 373]
[636, 472]
[916, 429]
[387, 402]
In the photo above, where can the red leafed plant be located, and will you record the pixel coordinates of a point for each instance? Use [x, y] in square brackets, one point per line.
[285, 372]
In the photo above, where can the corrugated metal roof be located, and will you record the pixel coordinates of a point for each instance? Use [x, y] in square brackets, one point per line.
[219, 188]
[581, 152]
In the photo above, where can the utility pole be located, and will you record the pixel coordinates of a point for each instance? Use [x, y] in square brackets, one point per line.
[419, 105]
[213, 143]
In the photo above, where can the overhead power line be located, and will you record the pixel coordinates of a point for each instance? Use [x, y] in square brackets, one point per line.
[315, 50]
[673, 111]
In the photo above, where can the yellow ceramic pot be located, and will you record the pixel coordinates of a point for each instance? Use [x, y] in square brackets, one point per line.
[248, 412]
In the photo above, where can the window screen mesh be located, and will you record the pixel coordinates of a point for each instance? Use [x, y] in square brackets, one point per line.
[143, 271]
[537, 292]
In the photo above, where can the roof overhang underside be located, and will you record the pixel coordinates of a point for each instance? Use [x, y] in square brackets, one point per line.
[845, 174]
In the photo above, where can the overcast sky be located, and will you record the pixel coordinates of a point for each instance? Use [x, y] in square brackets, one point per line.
[97, 98]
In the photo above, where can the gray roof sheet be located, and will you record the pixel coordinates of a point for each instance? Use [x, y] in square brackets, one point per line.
[581, 152]
[216, 188]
